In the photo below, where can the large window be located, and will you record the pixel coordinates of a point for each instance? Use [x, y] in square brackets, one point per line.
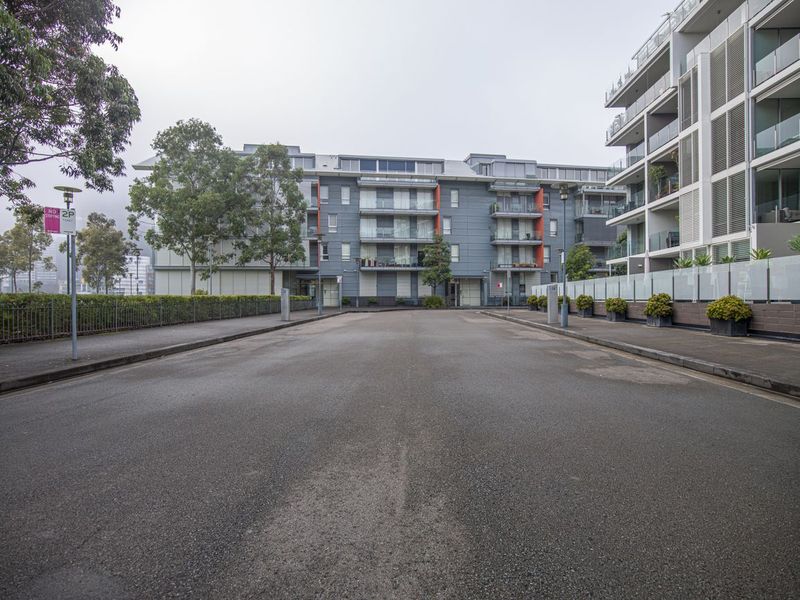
[368, 164]
[349, 164]
[455, 253]
[345, 251]
[325, 251]
[396, 166]
[553, 227]
[454, 198]
[323, 194]
[303, 162]
[516, 170]
[546, 254]
[333, 221]
[345, 194]
[446, 225]
[429, 168]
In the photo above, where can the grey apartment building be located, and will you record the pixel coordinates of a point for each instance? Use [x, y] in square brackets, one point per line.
[369, 218]
[710, 124]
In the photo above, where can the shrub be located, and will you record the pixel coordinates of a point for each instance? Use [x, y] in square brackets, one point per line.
[616, 305]
[561, 299]
[346, 301]
[372, 301]
[683, 263]
[584, 302]
[433, 302]
[659, 305]
[400, 301]
[197, 292]
[760, 253]
[729, 308]
[703, 260]
[533, 301]
[543, 301]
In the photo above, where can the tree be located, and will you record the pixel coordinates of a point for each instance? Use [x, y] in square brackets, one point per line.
[101, 250]
[57, 98]
[436, 261]
[5, 258]
[27, 242]
[192, 194]
[278, 212]
[580, 262]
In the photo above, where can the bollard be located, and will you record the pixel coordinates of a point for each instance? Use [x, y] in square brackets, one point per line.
[552, 304]
[286, 309]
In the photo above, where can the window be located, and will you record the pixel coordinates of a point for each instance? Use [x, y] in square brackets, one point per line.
[455, 254]
[368, 165]
[553, 227]
[547, 199]
[454, 198]
[345, 251]
[446, 225]
[323, 194]
[349, 164]
[303, 162]
[325, 251]
[429, 168]
[345, 194]
[332, 223]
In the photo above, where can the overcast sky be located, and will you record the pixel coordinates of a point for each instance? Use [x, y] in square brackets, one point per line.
[430, 78]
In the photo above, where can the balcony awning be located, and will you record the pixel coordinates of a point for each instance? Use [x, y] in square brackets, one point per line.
[397, 182]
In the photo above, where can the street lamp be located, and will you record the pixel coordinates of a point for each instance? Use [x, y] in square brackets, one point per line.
[69, 192]
[137, 252]
[564, 192]
[319, 273]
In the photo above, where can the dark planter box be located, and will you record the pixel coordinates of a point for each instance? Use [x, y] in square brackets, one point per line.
[659, 321]
[729, 327]
[585, 312]
[531, 307]
[615, 317]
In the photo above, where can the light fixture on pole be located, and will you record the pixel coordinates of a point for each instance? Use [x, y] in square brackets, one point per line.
[69, 193]
[137, 253]
[564, 193]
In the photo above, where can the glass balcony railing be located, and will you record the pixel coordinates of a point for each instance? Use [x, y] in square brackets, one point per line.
[634, 156]
[664, 135]
[310, 231]
[637, 246]
[390, 204]
[778, 136]
[635, 201]
[513, 207]
[518, 237]
[501, 265]
[635, 109]
[392, 233]
[618, 251]
[664, 186]
[392, 262]
[664, 240]
[589, 208]
[776, 61]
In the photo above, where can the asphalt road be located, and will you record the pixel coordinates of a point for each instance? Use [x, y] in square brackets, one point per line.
[398, 455]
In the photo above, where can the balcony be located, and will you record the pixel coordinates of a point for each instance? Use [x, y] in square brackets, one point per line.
[637, 108]
[397, 235]
[664, 136]
[388, 206]
[400, 263]
[514, 267]
[515, 210]
[618, 251]
[300, 265]
[310, 231]
[664, 240]
[589, 208]
[776, 61]
[519, 239]
[784, 133]
[636, 201]
[634, 156]
[664, 186]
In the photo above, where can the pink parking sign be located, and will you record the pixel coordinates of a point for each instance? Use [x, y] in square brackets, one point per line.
[52, 220]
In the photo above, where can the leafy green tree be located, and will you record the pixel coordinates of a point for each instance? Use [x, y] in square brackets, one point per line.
[57, 98]
[27, 242]
[436, 261]
[101, 249]
[5, 257]
[580, 261]
[278, 211]
[193, 194]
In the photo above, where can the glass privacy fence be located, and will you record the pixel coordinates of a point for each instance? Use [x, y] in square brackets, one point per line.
[773, 280]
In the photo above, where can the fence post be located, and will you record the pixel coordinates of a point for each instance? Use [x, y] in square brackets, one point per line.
[696, 284]
[52, 321]
[160, 312]
[194, 310]
[116, 315]
[768, 280]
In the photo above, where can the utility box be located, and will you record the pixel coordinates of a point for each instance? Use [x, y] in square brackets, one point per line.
[552, 303]
[286, 306]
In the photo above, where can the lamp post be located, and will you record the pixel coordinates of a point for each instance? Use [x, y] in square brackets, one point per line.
[137, 252]
[319, 273]
[69, 192]
[564, 192]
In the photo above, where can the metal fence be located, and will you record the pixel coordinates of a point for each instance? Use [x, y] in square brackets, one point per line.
[772, 280]
[33, 319]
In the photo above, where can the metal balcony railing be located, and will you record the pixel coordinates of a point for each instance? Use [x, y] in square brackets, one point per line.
[389, 204]
[391, 262]
[496, 266]
[513, 208]
[519, 237]
[391, 233]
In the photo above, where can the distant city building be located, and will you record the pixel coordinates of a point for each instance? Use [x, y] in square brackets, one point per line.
[710, 124]
[42, 280]
[503, 219]
[138, 278]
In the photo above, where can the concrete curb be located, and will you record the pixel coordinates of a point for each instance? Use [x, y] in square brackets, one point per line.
[10, 385]
[695, 364]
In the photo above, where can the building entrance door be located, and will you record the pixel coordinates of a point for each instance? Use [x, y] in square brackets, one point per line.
[455, 293]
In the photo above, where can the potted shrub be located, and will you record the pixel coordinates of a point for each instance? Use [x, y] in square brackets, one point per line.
[616, 309]
[533, 302]
[372, 301]
[659, 310]
[543, 303]
[730, 316]
[560, 300]
[585, 305]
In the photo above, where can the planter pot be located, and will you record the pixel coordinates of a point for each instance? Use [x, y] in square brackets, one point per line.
[531, 307]
[729, 327]
[585, 312]
[659, 321]
[615, 317]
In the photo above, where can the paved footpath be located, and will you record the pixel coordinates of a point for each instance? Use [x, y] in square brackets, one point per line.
[28, 360]
[761, 361]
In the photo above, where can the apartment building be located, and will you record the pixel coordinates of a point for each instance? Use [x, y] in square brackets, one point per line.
[370, 217]
[710, 124]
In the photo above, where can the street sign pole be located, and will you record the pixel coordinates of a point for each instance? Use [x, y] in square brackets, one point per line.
[65, 221]
[74, 300]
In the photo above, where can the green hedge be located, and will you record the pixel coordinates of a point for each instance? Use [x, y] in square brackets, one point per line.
[25, 317]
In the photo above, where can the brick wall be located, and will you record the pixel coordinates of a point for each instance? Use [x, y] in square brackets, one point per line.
[767, 318]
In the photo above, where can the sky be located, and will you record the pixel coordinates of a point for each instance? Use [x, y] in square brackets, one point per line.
[427, 78]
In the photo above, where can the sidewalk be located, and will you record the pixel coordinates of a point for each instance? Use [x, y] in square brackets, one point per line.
[763, 362]
[32, 363]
